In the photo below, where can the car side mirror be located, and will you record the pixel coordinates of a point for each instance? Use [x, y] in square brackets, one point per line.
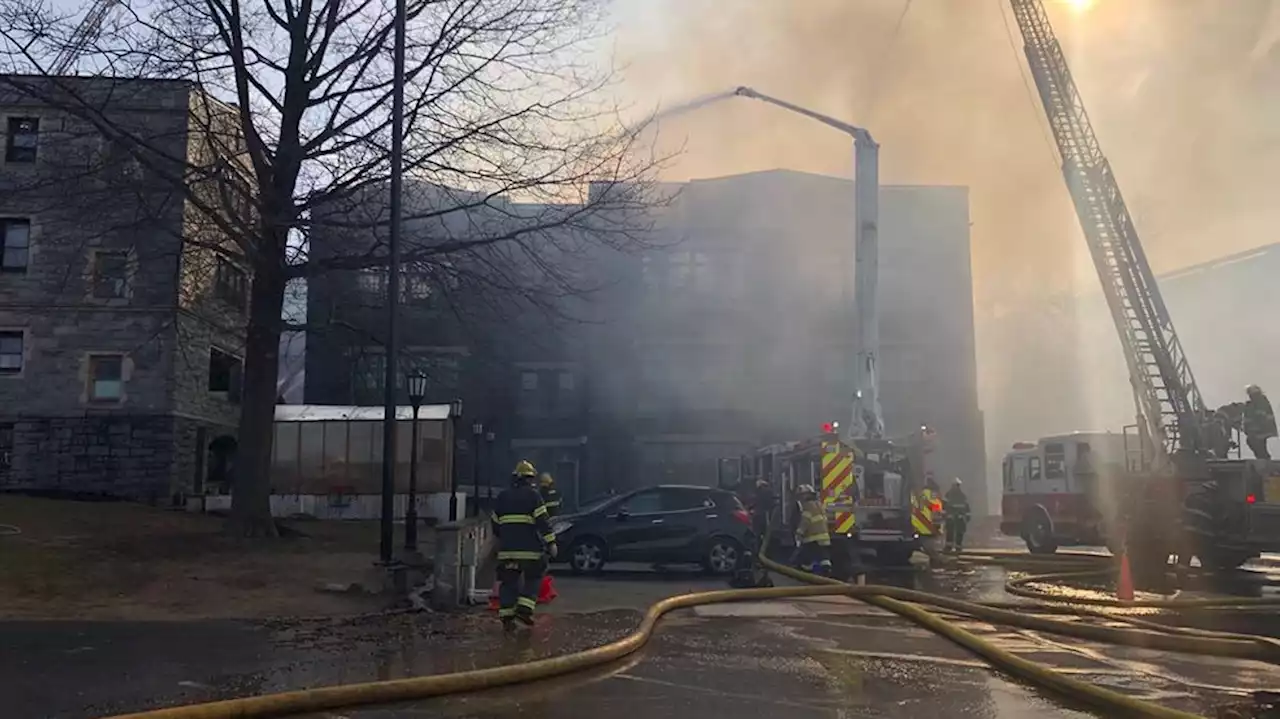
[622, 515]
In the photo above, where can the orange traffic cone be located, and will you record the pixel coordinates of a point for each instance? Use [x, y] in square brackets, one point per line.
[493, 597]
[1124, 583]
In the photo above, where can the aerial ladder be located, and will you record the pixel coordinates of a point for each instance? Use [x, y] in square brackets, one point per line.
[83, 36]
[1173, 421]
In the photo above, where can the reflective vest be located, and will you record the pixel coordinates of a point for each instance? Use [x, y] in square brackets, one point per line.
[813, 525]
[923, 507]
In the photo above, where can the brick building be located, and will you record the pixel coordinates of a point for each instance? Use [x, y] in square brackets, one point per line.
[119, 338]
[734, 329]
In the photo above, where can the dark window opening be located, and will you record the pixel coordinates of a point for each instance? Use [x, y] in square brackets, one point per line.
[644, 503]
[679, 500]
[21, 139]
[1055, 461]
[11, 352]
[231, 284]
[110, 275]
[16, 235]
[106, 378]
[224, 373]
[6, 446]
[1033, 472]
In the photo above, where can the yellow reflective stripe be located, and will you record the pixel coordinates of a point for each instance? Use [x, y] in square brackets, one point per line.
[518, 554]
[541, 511]
[549, 538]
[527, 602]
[552, 503]
[515, 519]
[504, 612]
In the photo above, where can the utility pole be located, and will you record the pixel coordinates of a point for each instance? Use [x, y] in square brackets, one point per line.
[386, 544]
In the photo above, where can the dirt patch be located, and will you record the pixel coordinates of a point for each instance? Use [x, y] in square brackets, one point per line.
[105, 560]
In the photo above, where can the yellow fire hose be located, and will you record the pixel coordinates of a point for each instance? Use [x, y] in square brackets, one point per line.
[902, 602]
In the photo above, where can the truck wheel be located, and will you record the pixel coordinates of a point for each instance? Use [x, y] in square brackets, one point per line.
[1038, 533]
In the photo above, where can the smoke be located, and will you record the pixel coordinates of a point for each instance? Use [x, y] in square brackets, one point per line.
[1181, 94]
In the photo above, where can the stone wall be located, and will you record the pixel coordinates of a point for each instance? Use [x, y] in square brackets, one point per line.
[114, 455]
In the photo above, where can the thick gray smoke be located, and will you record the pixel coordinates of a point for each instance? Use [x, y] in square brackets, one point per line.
[1181, 92]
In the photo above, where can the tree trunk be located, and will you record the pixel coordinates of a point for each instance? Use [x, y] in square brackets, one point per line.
[251, 495]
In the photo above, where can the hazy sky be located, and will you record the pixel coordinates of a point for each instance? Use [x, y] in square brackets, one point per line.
[1180, 91]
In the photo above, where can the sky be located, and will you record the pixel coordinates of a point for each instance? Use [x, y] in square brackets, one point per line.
[1177, 90]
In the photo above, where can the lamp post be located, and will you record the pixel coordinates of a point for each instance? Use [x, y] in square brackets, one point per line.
[455, 411]
[477, 435]
[417, 384]
[488, 475]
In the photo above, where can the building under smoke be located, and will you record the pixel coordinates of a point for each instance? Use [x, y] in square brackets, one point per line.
[730, 326]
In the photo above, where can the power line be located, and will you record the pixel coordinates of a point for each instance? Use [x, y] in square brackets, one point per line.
[1023, 72]
[873, 91]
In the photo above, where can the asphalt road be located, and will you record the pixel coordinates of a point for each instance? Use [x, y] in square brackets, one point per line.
[828, 657]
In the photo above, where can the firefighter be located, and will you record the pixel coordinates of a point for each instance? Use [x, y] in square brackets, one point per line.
[761, 505]
[522, 525]
[813, 539]
[1259, 422]
[550, 495]
[925, 511]
[955, 507]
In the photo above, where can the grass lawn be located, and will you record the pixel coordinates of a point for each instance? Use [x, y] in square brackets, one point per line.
[108, 560]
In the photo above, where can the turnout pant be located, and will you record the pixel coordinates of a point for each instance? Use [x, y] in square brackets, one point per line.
[1258, 445]
[955, 529]
[518, 583]
[811, 556]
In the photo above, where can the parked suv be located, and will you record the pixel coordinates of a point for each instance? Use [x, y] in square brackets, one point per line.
[666, 524]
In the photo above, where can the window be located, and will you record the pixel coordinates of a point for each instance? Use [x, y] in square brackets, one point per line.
[1034, 464]
[415, 287]
[231, 283]
[648, 502]
[21, 139]
[372, 280]
[679, 500]
[690, 270]
[529, 381]
[1008, 475]
[106, 378]
[224, 372]
[1055, 461]
[6, 446]
[566, 382]
[17, 244]
[11, 353]
[110, 274]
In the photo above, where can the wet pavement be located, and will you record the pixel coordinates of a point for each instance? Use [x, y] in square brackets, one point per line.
[823, 657]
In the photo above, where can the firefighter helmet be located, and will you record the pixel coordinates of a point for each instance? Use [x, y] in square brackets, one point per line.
[524, 468]
[1253, 390]
[806, 490]
[957, 482]
[545, 479]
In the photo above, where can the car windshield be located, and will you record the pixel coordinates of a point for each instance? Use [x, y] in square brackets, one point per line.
[598, 503]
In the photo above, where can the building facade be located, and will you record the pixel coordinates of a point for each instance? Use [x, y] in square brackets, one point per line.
[119, 338]
[731, 327]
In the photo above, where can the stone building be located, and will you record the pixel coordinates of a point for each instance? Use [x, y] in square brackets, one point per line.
[119, 334]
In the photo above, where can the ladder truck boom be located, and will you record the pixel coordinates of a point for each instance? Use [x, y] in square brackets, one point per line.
[1169, 404]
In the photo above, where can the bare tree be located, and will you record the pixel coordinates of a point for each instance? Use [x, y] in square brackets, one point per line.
[289, 135]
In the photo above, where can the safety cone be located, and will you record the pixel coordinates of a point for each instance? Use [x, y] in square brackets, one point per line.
[493, 597]
[547, 592]
[1124, 583]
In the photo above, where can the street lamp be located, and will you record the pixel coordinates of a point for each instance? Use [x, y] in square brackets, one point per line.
[417, 384]
[488, 475]
[455, 411]
[477, 434]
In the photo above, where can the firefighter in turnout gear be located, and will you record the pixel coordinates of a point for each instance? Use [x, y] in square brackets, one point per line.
[522, 524]
[955, 509]
[813, 539]
[550, 495]
[1259, 422]
[926, 510]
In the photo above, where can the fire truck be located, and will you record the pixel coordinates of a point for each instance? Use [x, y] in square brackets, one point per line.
[865, 486]
[1174, 489]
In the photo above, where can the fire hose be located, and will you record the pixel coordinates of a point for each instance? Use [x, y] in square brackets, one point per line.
[906, 603]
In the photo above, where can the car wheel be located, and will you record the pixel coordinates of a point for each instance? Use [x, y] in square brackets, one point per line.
[586, 556]
[722, 555]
